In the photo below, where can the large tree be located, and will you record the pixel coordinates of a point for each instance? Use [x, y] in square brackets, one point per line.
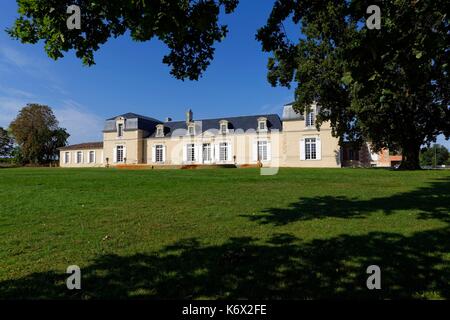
[6, 143]
[389, 86]
[189, 28]
[37, 134]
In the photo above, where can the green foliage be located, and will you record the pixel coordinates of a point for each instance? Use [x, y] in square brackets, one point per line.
[6, 144]
[189, 28]
[434, 156]
[389, 86]
[36, 131]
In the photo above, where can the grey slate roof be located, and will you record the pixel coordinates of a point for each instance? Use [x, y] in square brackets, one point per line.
[135, 121]
[234, 123]
[131, 115]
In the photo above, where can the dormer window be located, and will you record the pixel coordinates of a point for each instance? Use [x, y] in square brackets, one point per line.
[191, 130]
[262, 124]
[120, 129]
[310, 119]
[159, 131]
[223, 126]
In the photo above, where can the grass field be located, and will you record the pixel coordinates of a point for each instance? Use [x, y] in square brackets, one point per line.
[224, 233]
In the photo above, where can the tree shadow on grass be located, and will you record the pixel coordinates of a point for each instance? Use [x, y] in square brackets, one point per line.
[283, 267]
[432, 202]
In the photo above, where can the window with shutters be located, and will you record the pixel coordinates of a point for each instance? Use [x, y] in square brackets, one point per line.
[159, 149]
[120, 130]
[262, 150]
[79, 157]
[66, 157]
[191, 152]
[91, 156]
[310, 149]
[310, 117]
[206, 151]
[119, 154]
[223, 151]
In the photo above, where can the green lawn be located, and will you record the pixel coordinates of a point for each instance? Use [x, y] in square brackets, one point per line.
[224, 233]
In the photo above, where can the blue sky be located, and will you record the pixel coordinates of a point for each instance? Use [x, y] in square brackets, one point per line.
[130, 77]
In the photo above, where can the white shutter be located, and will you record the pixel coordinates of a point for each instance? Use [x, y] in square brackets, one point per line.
[255, 151]
[115, 155]
[318, 149]
[95, 156]
[82, 157]
[229, 151]
[185, 153]
[164, 153]
[269, 151]
[302, 149]
[200, 153]
[196, 158]
[124, 153]
[216, 152]
[154, 153]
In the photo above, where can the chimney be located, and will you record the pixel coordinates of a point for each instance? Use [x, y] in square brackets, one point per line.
[168, 119]
[188, 116]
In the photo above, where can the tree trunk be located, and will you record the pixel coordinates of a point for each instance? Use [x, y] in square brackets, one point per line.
[410, 156]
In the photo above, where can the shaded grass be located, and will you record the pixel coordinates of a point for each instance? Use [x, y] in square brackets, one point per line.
[224, 233]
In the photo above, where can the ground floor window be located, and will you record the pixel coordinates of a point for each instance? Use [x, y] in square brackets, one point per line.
[310, 149]
[159, 153]
[262, 150]
[191, 152]
[223, 151]
[66, 157]
[91, 156]
[79, 157]
[119, 153]
[206, 152]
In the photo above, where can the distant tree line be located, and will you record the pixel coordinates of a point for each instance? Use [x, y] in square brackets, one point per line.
[437, 155]
[33, 137]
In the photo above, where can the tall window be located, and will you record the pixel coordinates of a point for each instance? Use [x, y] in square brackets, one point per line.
[159, 132]
[120, 130]
[191, 152]
[91, 156]
[310, 119]
[223, 151]
[79, 157]
[191, 130]
[310, 149]
[66, 157]
[206, 152]
[119, 155]
[262, 150]
[159, 153]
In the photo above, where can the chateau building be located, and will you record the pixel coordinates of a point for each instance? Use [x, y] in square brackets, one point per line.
[264, 140]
